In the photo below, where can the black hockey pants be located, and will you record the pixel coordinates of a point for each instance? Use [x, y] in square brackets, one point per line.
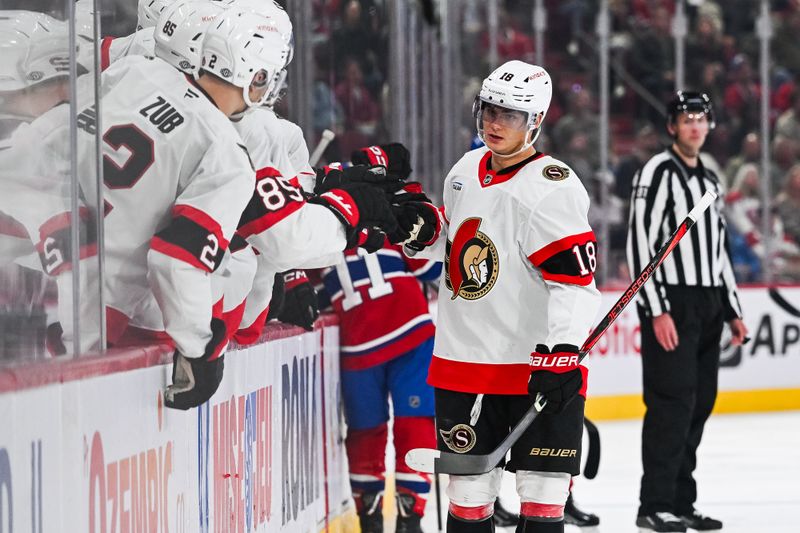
[680, 388]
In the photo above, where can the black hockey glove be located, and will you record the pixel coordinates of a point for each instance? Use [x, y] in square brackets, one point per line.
[330, 178]
[371, 239]
[194, 381]
[394, 156]
[561, 383]
[418, 225]
[417, 218]
[358, 206]
[300, 305]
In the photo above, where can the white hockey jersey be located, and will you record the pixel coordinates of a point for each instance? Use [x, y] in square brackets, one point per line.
[519, 262]
[289, 152]
[280, 155]
[176, 181]
[285, 231]
[140, 43]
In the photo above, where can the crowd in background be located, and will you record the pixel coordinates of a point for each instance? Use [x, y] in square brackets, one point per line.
[351, 96]
[351, 91]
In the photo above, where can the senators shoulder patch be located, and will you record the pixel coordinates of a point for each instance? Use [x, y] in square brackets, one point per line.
[555, 172]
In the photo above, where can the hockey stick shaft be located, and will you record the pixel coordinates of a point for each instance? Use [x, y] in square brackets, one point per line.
[460, 464]
[324, 141]
[437, 488]
[647, 272]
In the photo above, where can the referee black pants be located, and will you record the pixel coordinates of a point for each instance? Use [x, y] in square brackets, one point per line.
[680, 388]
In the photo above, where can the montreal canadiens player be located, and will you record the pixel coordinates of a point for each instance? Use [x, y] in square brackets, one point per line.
[517, 299]
[386, 336]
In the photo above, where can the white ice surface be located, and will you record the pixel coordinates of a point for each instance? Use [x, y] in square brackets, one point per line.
[748, 476]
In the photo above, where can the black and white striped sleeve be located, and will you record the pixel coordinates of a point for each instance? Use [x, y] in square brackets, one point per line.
[651, 201]
[733, 307]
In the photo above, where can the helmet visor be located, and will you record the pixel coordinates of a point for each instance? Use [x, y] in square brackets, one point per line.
[489, 113]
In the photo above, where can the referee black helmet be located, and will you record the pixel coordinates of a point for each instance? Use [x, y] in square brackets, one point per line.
[688, 102]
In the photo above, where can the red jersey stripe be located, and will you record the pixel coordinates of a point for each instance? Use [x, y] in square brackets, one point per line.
[548, 251]
[203, 219]
[176, 252]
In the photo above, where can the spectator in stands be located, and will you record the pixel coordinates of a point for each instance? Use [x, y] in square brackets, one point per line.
[647, 145]
[784, 156]
[788, 204]
[581, 160]
[741, 100]
[745, 216]
[327, 111]
[785, 44]
[511, 42]
[750, 153]
[788, 124]
[359, 38]
[783, 89]
[579, 119]
[713, 79]
[704, 46]
[651, 58]
[621, 17]
[739, 17]
[743, 210]
[361, 112]
[647, 11]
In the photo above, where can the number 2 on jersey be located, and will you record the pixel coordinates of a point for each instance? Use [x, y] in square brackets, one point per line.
[378, 284]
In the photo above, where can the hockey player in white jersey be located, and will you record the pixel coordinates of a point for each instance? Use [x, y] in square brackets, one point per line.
[208, 167]
[34, 61]
[140, 42]
[287, 230]
[520, 298]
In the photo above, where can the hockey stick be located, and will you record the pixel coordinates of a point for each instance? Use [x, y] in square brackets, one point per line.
[438, 495]
[324, 141]
[429, 460]
[592, 451]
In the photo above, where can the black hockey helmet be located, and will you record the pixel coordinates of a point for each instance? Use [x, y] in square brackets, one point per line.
[688, 101]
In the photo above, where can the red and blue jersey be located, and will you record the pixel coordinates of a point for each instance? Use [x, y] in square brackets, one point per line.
[382, 310]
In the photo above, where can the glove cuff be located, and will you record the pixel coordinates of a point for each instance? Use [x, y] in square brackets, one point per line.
[293, 278]
[342, 204]
[438, 223]
[563, 358]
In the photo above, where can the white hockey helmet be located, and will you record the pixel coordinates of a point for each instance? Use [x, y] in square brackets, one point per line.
[34, 48]
[274, 10]
[268, 8]
[149, 11]
[245, 48]
[518, 86]
[180, 31]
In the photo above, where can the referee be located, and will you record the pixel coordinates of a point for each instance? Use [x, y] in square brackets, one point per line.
[682, 313]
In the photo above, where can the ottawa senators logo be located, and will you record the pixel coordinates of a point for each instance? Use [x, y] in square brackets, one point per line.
[471, 264]
[461, 438]
[555, 172]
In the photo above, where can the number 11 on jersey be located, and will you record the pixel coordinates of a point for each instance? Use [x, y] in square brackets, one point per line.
[378, 284]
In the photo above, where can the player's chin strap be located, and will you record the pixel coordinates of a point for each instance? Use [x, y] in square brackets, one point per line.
[525, 146]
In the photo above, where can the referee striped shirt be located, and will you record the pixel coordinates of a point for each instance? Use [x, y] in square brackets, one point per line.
[664, 191]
